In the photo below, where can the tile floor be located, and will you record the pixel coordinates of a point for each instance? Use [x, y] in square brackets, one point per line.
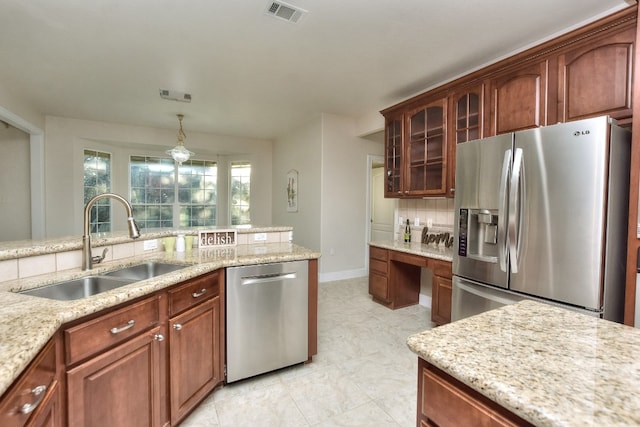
[363, 374]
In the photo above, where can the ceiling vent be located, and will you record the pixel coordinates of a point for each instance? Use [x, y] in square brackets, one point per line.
[285, 11]
[173, 95]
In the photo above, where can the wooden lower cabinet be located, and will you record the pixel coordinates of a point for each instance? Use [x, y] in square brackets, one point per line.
[378, 274]
[120, 387]
[440, 300]
[138, 374]
[196, 363]
[36, 398]
[394, 281]
[145, 363]
[444, 401]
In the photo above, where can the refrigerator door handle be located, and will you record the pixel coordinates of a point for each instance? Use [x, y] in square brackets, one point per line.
[503, 241]
[497, 296]
[515, 204]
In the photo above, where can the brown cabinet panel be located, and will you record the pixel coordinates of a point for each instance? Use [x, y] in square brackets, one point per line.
[441, 300]
[445, 401]
[596, 79]
[519, 99]
[93, 336]
[195, 356]
[379, 286]
[120, 387]
[193, 292]
[35, 399]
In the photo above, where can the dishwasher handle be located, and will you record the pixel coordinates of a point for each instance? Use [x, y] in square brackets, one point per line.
[266, 278]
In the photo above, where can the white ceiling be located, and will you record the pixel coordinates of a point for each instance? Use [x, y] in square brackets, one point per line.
[250, 74]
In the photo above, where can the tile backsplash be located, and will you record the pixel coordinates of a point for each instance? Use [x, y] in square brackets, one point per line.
[439, 211]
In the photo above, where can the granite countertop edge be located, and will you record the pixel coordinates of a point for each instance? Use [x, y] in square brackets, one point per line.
[27, 322]
[26, 248]
[546, 364]
[431, 250]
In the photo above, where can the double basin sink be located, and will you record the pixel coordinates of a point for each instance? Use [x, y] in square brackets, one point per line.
[92, 285]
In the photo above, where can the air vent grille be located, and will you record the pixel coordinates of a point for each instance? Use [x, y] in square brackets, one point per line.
[285, 11]
[173, 95]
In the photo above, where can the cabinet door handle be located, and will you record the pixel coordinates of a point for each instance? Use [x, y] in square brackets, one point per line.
[158, 337]
[199, 294]
[177, 327]
[129, 325]
[39, 393]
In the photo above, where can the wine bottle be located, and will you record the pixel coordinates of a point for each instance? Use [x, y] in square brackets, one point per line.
[407, 232]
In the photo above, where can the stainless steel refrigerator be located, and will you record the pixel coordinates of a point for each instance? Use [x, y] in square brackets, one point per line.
[542, 214]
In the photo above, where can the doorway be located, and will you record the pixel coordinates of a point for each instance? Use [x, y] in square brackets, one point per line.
[381, 211]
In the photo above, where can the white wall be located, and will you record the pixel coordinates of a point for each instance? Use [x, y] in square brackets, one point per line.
[300, 150]
[15, 184]
[331, 218]
[65, 140]
[344, 198]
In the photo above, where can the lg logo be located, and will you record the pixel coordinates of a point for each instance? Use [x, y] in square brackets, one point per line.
[581, 132]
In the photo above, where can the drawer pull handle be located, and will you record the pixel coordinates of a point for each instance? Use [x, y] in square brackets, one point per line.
[129, 325]
[39, 393]
[158, 337]
[199, 294]
[177, 327]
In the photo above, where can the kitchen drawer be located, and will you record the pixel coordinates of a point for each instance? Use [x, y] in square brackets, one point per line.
[446, 402]
[193, 292]
[410, 259]
[96, 335]
[32, 391]
[441, 268]
[379, 287]
[378, 253]
[378, 266]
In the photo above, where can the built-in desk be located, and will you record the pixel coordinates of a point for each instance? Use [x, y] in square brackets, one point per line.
[394, 276]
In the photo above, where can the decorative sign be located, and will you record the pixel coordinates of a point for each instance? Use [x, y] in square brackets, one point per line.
[215, 238]
[292, 191]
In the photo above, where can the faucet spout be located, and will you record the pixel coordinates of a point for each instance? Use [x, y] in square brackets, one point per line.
[134, 230]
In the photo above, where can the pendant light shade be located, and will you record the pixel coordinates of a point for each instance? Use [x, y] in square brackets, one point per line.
[179, 153]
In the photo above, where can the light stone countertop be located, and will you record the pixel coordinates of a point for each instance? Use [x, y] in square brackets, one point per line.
[416, 248]
[27, 322]
[548, 365]
[26, 248]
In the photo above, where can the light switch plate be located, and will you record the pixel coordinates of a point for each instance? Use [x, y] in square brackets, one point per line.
[151, 244]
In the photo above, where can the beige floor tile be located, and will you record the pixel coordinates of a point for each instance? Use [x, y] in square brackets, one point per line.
[363, 375]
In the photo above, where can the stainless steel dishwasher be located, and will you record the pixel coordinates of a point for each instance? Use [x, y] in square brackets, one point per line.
[267, 318]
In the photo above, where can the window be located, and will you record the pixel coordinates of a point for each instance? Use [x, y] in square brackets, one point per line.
[155, 182]
[240, 193]
[197, 193]
[97, 180]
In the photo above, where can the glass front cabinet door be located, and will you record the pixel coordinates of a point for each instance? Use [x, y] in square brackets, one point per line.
[393, 156]
[426, 150]
[467, 108]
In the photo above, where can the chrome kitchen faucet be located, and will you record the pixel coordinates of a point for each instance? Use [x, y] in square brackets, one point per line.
[134, 231]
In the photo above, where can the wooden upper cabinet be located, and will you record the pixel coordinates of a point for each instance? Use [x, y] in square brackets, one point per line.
[393, 156]
[466, 107]
[519, 99]
[583, 73]
[596, 78]
[426, 149]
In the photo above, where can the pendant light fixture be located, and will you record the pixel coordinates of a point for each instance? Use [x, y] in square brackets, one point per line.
[179, 153]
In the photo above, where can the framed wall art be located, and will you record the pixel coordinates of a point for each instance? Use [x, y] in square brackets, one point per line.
[292, 191]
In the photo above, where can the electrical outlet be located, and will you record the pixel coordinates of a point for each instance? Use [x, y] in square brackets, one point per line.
[401, 221]
[148, 245]
[429, 222]
[260, 237]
